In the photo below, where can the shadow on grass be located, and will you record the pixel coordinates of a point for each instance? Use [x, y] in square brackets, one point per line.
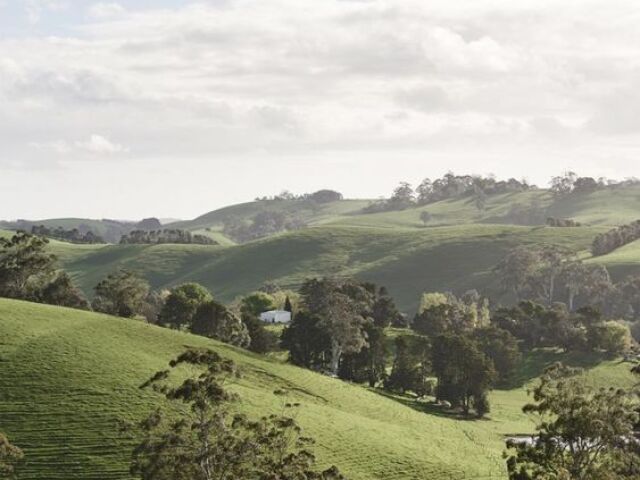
[535, 362]
[430, 408]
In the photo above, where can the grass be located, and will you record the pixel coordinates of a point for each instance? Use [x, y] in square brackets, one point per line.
[67, 378]
[407, 261]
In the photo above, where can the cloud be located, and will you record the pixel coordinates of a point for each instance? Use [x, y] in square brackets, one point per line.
[102, 11]
[426, 99]
[101, 146]
[227, 81]
[95, 144]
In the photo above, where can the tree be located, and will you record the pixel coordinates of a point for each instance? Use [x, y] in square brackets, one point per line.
[25, 266]
[344, 326]
[122, 293]
[153, 305]
[306, 341]
[403, 197]
[463, 372]
[62, 292]
[369, 364]
[214, 320]
[262, 340]
[534, 271]
[479, 198]
[326, 196]
[517, 268]
[424, 191]
[287, 305]
[501, 348]
[582, 434]
[256, 303]
[206, 442]
[339, 305]
[425, 217]
[440, 313]
[384, 309]
[10, 456]
[611, 337]
[182, 304]
[563, 184]
[404, 367]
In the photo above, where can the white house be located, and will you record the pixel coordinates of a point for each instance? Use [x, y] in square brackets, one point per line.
[276, 316]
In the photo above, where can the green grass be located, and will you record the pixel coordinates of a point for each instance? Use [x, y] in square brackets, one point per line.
[407, 261]
[67, 378]
[455, 253]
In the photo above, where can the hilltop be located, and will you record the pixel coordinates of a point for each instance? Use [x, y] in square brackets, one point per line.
[455, 250]
[63, 407]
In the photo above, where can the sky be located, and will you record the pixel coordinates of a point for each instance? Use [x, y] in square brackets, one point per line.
[169, 108]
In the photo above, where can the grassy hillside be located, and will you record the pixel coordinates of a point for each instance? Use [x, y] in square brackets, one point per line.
[310, 212]
[408, 261]
[456, 251]
[68, 378]
[604, 207]
[109, 230]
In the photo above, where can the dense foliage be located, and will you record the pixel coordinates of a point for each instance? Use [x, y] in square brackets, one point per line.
[340, 329]
[172, 235]
[448, 187]
[74, 235]
[262, 225]
[582, 433]
[122, 293]
[28, 272]
[613, 239]
[207, 441]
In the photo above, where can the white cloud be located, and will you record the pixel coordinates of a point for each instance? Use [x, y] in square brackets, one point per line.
[106, 10]
[101, 146]
[512, 86]
[95, 144]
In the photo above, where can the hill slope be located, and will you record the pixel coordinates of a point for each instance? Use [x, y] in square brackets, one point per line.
[68, 378]
[408, 261]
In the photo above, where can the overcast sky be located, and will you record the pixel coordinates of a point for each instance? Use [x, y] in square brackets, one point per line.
[172, 108]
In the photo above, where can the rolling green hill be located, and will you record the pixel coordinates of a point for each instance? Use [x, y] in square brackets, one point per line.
[603, 207]
[408, 261]
[67, 379]
[455, 251]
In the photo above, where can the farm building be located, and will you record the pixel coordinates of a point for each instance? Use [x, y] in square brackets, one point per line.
[276, 316]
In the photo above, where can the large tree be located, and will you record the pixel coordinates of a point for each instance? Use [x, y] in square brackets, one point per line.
[182, 304]
[582, 433]
[61, 291]
[214, 320]
[501, 348]
[464, 373]
[307, 343]
[340, 306]
[122, 293]
[25, 266]
[207, 442]
[256, 303]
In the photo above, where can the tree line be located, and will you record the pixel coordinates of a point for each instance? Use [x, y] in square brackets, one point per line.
[74, 235]
[167, 235]
[478, 188]
[320, 196]
[263, 224]
[613, 239]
